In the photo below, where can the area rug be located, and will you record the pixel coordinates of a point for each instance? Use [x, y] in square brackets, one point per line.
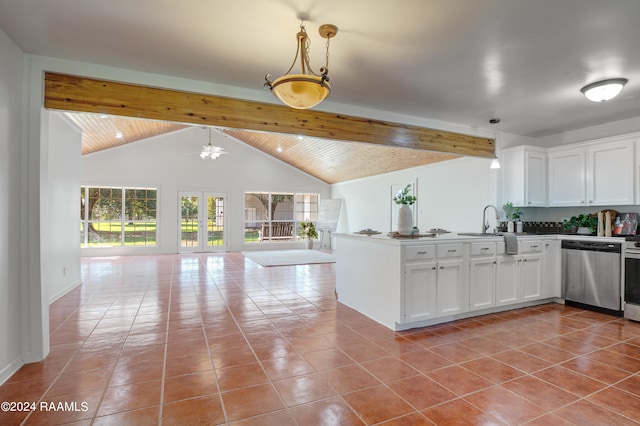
[289, 257]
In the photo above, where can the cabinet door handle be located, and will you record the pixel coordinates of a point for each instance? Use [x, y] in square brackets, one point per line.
[582, 202]
[484, 248]
[433, 268]
[590, 201]
[529, 202]
[421, 252]
[524, 260]
[452, 251]
[442, 267]
[534, 247]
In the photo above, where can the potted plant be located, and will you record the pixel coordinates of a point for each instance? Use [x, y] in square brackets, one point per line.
[405, 214]
[309, 232]
[581, 224]
[512, 214]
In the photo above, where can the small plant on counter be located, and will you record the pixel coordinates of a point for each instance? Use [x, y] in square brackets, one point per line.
[581, 221]
[510, 212]
[403, 197]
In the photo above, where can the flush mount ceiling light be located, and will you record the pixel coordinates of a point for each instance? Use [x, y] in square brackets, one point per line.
[209, 151]
[306, 89]
[495, 164]
[604, 90]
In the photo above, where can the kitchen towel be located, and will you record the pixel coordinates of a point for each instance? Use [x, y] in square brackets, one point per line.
[511, 243]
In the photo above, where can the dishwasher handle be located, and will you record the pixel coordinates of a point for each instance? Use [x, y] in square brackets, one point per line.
[592, 246]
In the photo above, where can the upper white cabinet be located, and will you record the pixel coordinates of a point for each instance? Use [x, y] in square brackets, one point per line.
[610, 173]
[567, 182]
[524, 176]
[594, 174]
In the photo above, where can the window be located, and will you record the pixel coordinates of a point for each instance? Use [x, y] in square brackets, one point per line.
[113, 217]
[277, 216]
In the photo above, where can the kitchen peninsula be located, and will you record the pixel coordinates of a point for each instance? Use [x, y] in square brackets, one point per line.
[414, 282]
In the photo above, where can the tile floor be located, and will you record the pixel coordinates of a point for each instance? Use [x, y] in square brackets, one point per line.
[217, 339]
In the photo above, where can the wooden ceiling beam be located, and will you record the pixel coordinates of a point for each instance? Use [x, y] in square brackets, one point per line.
[76, 93]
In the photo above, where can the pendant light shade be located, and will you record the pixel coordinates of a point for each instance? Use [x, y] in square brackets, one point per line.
[306, 89]
[495, 164]
[604, 90]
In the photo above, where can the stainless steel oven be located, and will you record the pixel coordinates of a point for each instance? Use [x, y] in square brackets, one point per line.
[632, 279]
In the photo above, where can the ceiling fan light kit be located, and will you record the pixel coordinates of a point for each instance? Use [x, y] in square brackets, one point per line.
[306, 89]
[604, 90]
[209, 151]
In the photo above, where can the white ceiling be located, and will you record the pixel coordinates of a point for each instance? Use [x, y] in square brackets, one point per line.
[458, 61]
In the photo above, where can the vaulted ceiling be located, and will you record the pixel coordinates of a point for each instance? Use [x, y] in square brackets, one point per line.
[331, 161]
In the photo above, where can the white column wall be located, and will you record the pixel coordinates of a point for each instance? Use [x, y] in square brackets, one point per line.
[11, 264]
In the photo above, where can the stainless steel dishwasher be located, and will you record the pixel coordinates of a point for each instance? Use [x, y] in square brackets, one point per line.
[591, 275]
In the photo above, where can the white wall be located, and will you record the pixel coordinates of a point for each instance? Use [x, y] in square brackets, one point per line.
[10, 217]
[60, 239]
[451, 195]
[171, 163]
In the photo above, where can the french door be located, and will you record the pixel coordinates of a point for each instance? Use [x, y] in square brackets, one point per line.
[201, 222]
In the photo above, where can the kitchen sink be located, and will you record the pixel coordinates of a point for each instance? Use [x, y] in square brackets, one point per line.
[477, 234]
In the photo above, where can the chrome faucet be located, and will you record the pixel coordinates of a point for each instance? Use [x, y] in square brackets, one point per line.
[485, 224]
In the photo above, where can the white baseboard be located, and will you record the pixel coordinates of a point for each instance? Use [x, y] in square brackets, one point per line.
[64, 291]
[10, 369]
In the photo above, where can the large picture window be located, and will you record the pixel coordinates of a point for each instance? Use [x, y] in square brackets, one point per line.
[118, 216]
[270, 216]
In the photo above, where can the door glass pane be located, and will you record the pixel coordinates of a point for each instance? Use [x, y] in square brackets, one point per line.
[189, 221]
[215, 221]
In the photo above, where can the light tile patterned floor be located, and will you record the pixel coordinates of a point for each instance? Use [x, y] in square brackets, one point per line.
[217, 339]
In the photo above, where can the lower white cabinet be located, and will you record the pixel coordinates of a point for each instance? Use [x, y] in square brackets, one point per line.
[531, 276]
[420, 291]
[552, 268]
[451, 289]
[519, 277]
[435, 287]
[482, 276]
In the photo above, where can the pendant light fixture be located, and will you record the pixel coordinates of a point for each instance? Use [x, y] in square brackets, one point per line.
[209, 151]
[495, 164]
[306, 89]
[604, 90]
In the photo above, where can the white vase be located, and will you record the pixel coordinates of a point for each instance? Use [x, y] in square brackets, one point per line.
[510, 226]
[405, 220]
[309, 243]
[519, 226]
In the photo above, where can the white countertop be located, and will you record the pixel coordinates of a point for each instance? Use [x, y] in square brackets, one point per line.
[454, 236]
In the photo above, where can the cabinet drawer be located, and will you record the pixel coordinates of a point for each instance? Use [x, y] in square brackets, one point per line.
[450, 250]
[531, 246]
[482, 249]
[419, 252]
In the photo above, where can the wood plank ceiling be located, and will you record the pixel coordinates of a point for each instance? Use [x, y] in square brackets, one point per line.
[329, 160]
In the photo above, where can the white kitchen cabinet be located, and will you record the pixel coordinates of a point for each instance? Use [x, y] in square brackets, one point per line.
[452, 291]
[524, 176]
[567, 177]
[519, 277]
[482, 275]
[610, 169]
[507, 279]
[420, 291]
[594, 174]
[435, 283]
[552, 265]
[531, 276]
